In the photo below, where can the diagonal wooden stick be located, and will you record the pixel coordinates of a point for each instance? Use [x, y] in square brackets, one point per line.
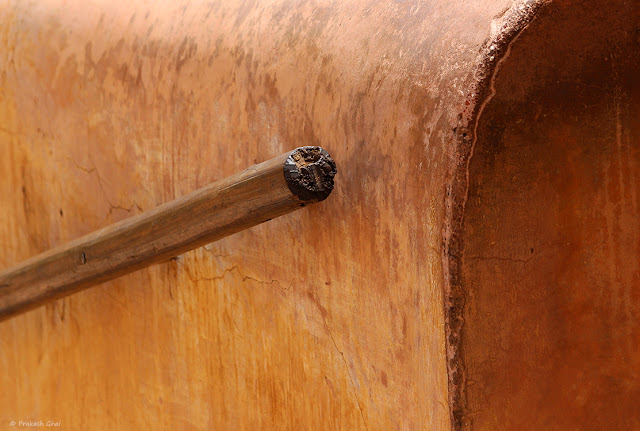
[260, 193]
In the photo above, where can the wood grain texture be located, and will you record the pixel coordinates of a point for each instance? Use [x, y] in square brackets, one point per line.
[243, 200]
[112, 108]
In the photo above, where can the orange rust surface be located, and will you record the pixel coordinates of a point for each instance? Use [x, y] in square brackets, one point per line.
[331, 318]
[551, 237]
[476, 266]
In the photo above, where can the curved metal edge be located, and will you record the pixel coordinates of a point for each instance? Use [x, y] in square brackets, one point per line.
[507, 29]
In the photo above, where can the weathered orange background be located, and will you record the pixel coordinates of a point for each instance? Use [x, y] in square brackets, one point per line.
[328, 318]
[552, 229]
[476, 266]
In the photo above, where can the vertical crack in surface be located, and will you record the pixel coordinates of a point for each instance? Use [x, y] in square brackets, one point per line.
[344, 360]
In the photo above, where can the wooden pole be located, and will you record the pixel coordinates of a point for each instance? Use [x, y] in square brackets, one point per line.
[258, 194]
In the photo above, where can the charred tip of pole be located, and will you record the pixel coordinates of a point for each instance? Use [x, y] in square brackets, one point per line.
[309, 173]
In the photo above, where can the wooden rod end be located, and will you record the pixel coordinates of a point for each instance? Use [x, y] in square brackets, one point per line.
[309, 173]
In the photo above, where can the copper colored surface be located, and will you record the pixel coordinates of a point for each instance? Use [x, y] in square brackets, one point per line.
[478, 265]
[551, 234]
[110, 108]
